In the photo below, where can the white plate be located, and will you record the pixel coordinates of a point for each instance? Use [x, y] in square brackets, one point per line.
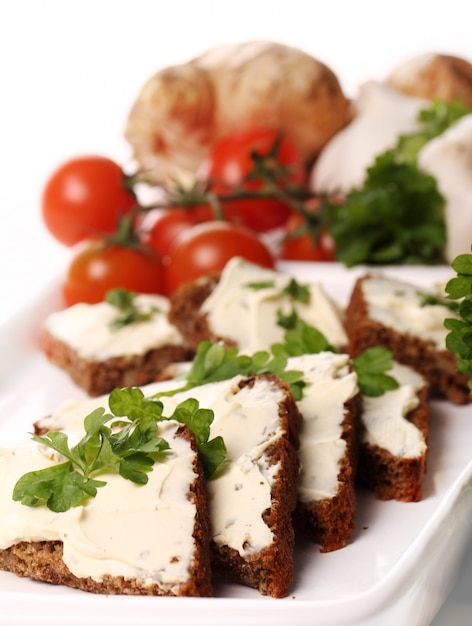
[397, 570]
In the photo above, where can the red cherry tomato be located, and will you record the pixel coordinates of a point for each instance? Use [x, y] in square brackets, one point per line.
[304, 247]
[85, 197]
[99, 267]
[164, 226]
[229, 164]
[206, 248]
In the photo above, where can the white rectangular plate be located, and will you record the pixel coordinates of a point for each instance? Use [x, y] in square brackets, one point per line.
[397, 570]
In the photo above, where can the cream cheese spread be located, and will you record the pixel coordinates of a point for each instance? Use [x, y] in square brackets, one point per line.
[384, 417]
[248, 420]
[245, 303]
[86, 328]
[329, 384]
[399, 305]
[138, 532]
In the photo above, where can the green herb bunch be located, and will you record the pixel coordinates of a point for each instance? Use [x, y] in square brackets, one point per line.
[459, 339]
[397, 215]
[111, 445]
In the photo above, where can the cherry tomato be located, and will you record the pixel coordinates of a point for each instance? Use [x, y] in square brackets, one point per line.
[99, 267]
[206, 248]
[304, 247]
[162, 228]
[229, 164]
[85, 197]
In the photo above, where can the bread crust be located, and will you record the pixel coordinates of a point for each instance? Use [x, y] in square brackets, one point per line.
[330, 522]
[391, 477]
[271, 570]
[438, 367]
[101, 377]
[185, 311]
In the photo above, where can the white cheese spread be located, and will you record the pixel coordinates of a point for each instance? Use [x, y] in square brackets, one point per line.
[138, 532]
[399, 305]
[328, 386]
[245, 303]
[86, 328]
[384, 417]
[248, 420]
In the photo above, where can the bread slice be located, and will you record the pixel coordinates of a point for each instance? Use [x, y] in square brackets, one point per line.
[253, 495]
[384, 311]
[394, 438]
[148, 539]
[326, 508]
[241, 306]
[81, 341]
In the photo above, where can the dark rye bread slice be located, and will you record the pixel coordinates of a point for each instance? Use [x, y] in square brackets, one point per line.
[42, 560]
[185, 313]
[101, 377]
[391, 477]
[438, 366]
[330, 522]
[271, 570]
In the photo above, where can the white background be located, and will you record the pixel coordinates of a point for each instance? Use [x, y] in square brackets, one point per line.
[70, 70]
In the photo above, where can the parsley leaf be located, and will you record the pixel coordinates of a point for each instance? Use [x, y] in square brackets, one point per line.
[261, 284]
[128, 447]
[296, 291]
[434, 121]
[301, 338]
[213, 362]
[124, 301]
[212, 451]
[432, 300]
[293, 289]
[459, 339]
[371, 367]
[397, 216]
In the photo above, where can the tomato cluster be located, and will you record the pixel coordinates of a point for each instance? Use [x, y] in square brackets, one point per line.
[246, 177]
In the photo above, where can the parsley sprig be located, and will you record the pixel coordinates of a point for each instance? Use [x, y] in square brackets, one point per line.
[459, 339]
[128, 312]
[397, 215]
[214, 362]
[371, 368]
[128, 447]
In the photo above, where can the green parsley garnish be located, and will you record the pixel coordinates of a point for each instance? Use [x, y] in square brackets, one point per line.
[397, 216]
[371, 367]
[459, 339]
[434, 120]
[213, 363]
[301, 338]
[296, 291]
[432, 300]
[261, 284]
[111, 445]
[124, 301]
[293, 289]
